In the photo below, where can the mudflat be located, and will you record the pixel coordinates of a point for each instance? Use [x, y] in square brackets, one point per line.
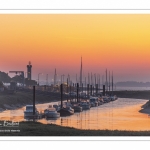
[22, 98]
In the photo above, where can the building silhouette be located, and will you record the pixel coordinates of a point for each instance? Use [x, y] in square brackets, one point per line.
[29, 71]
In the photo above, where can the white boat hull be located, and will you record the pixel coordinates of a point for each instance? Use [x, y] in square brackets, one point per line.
[30, 115]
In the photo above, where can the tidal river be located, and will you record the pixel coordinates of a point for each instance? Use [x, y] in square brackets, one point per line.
[122, 114]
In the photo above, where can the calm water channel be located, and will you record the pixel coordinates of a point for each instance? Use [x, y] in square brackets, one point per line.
[122, 114]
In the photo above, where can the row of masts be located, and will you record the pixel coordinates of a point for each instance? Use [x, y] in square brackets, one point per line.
[92, 79]
[87, 80]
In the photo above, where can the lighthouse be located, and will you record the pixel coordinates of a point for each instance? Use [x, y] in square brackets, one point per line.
[29, 67]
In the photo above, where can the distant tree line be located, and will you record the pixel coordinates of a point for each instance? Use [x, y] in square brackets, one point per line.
[5, 78]
[133, 84]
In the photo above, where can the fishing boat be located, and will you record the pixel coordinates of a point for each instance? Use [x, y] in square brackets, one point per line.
[106, 99]
[28, 113]
[109, 98]
[83, 95]
[113, 97]
[51, 112]
[67, 104]
[72, 94]
[76, 107]
[66, 111]
[94, 101]
[85, 105]
[101, 101]
[56, 106]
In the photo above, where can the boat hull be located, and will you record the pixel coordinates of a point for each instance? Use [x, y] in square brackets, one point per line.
[52, 115]
[94, 104]
[64, 112]
[85, 107]
[29, 115]
[77, 109]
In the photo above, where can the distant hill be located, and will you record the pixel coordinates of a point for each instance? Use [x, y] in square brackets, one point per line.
[133, 84]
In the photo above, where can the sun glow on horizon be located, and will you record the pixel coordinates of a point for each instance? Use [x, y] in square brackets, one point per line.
[114, 41]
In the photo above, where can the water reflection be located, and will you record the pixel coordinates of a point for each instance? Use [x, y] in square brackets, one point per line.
[122, 114]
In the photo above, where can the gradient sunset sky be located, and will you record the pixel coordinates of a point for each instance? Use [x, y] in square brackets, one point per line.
[118, 42]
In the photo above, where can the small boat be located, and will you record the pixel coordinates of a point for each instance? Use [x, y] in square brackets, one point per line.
[72, 94]
[67, 104]
[113, 97]
[106, 99]
[66, 111]
[109, 98]
[83, 95]
[94, 101]
[100, 100]
[51, 112]
[28, 113]
[85, 105]
[56, 106]
[76, 107]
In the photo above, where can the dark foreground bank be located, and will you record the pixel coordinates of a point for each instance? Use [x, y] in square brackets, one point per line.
[39, 129]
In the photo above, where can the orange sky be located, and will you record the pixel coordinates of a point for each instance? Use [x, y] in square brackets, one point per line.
[117, 42]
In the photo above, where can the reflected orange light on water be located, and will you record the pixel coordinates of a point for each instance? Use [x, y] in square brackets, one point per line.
[117, 115]
[126, 118]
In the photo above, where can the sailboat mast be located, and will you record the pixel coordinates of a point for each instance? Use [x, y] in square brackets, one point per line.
[55, 77]
[91, 79]
[106, 80]
[76, 78]
[88, 79]
[109, 81]
[81, 73]
[99, 81]
[112, 82]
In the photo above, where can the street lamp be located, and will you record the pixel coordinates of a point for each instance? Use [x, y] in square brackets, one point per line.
[52, 81]
[62, 78]
[39, 77]
[47, 79]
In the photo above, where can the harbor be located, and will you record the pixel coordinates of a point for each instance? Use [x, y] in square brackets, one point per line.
[80, 72]
[116, 115]
[80, 106]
